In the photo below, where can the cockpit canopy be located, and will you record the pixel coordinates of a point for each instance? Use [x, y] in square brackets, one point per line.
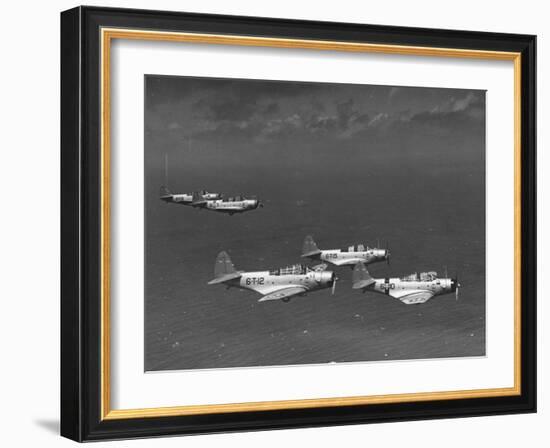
[234, 199]
[420, 277]
[358, 248]
[295, 269]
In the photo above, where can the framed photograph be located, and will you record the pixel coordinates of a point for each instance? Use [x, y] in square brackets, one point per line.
[275, 224]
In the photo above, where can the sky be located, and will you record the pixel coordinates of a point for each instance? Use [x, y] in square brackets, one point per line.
[275, 119]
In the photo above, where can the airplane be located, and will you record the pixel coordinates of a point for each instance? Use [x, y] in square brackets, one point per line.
[278, 284]
[186, 198]
[413, 289]
[338, 257]
[231, 205]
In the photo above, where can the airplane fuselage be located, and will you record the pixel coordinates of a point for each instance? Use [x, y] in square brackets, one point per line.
[182, 198]
[341, 258]
[412, 291]
[187, 198]
[265, 282]
[273, 284]
[230, 206]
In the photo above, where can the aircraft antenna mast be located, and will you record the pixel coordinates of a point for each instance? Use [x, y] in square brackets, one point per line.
[166, 170]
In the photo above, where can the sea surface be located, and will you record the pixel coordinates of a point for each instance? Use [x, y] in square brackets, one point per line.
[426, 203]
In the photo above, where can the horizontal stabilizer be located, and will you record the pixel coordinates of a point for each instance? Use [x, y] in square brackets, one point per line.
[283, 294]
[165, 192]
[313, 253]
[362, 284]
[225, 278]
[309, 248]
[361, 277]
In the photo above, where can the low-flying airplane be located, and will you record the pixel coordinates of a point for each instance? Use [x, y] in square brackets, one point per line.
[278, 284]
[339, 257]
[231, 205]
[186, 198]
[413, 289]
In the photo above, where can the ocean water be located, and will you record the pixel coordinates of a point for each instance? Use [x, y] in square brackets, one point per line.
[426, 197]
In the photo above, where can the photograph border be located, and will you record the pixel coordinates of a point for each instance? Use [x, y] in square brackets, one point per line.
[86, 37]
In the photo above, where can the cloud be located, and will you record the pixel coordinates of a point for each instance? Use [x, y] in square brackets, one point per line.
[454, 112]
[268, 119]
[377, 119]
[463, 103]
[265, 111]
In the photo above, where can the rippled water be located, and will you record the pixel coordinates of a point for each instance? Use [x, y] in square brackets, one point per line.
[431, 210]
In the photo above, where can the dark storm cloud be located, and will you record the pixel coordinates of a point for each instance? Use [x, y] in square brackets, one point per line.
[264, 111]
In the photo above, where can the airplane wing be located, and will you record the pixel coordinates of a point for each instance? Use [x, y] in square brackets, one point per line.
[284, 293]
[320, 267]
[346, 261]
[412, 297]
[235, 208]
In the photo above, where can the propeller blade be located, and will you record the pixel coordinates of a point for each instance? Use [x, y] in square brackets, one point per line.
[333, 285]
[457, 287]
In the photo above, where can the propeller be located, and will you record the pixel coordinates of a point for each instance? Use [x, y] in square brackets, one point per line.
[388, 253]
[334, 278]
[456, 286]
[259, 203]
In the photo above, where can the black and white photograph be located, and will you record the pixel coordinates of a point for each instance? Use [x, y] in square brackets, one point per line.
[291, 223]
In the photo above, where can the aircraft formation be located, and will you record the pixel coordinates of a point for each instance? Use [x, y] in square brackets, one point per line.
[299, 279]
[206, 200]
[215, 202]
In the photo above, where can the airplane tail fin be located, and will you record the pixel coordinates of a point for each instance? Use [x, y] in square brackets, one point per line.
[361, 277]
[198, 199]
[164, 191]
[223, 265]
[309, 248]
[224, 269]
